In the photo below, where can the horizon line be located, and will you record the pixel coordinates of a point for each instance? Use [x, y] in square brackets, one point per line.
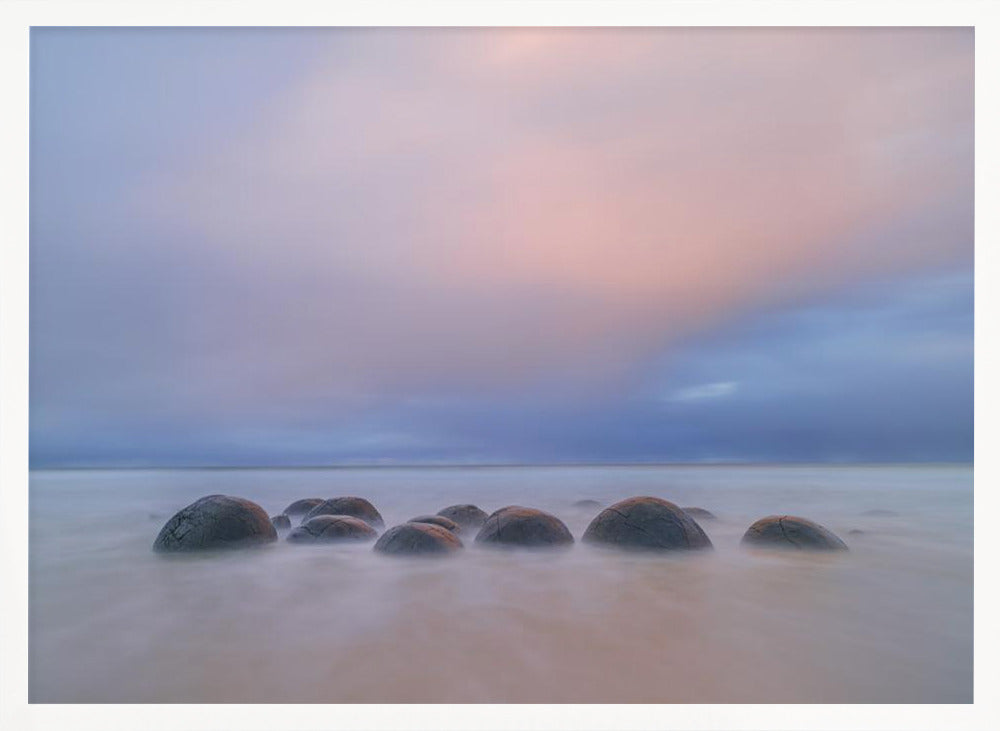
[494, 465]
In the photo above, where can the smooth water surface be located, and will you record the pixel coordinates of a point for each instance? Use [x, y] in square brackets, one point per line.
[889, 622]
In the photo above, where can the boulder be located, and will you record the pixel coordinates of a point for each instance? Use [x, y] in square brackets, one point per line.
[303, 506]
[354, 506]
[216, 521]
[855, 532]
[699, 513]
[418, 539]
[788, 531]
[646, 523]
[281, 522]
[467, 516]
[517, 526]
[587, 504]
[438, 520]
[332, 529]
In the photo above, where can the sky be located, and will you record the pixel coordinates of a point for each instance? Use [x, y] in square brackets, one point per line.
[406, 246]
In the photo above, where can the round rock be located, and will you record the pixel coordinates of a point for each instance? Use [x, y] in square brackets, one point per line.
[699, 513]
[517, 526]
[438, 520]
[216, 521]
[788, 531]
[587, 504]
[357, 507]
[467, 516]
[418, 539]
[332, 529]
[646, 523]
[281, 522]
[303, 506]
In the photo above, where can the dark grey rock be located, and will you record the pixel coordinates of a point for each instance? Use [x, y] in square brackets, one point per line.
[699, 513]
[438, 520]
[332, 529]
[646, 523]
[467, 516]
[418, 539]
[881, 513]
[587, 504]
[517, 526]
[788, 531]
[281, 522]
[216, 521]
[355, 506]
[303, 506]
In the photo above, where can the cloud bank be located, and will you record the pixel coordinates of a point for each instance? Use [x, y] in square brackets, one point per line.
[404, 216]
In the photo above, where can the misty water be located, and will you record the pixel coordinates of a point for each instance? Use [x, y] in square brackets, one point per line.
[889, 622]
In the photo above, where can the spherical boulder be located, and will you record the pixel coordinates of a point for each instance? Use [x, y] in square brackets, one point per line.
[301, 507]
[438, 520]
[587, 504]
[788, 531]
[467, 516]
[332, 529]
[281, 522]
[354, 506]
[699, 513]
[646, 523]
[417, 539]
[518, 526]
[216, 521]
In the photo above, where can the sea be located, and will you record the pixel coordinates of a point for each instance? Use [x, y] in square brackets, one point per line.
[890, 621]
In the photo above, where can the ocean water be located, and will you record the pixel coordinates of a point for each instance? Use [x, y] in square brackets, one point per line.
[888, 622]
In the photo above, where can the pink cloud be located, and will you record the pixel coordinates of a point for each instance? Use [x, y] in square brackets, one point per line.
[478, 207]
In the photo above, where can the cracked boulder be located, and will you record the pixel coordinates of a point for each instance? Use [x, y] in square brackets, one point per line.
[418, 539]
[440, 520]
[357, 507]
[467, 516]
[301, 507]
[216, 521]
[788, 531]
[699, 513]
[332, 529]
[646, 523]
[517, 526]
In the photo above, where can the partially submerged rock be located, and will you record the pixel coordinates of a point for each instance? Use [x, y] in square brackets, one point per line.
[332, 529]
[699, 513]
[418, 539]
[467, 516]
[587, 504]
[301, 507]
[789, 531]
[281, 522]
[354, 506]
[518, 526]
[440, 520]
[216, 521]
[646, 523]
